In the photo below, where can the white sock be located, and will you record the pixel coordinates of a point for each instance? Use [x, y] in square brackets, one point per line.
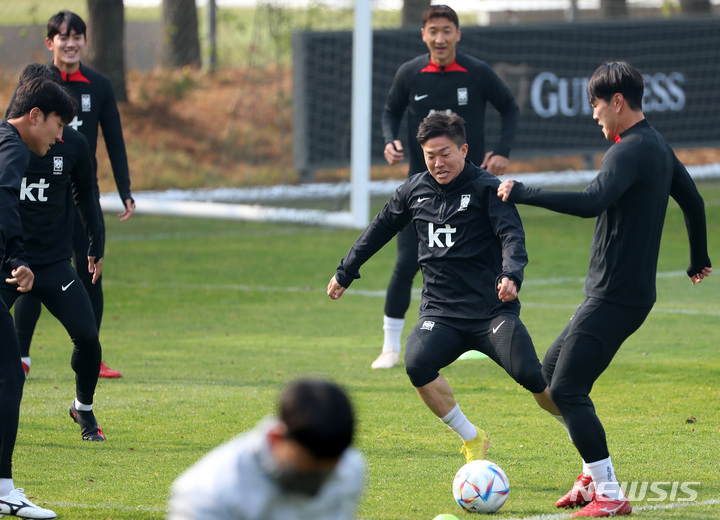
[561, 420]
[6, 486]
[82, 407]
[26, 360]
[458, 423]
[393, 328]
[603, 475]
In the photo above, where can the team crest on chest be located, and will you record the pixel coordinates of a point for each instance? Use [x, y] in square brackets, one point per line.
[462, 94]
[57, 165]
[85, 104]
[464, 202]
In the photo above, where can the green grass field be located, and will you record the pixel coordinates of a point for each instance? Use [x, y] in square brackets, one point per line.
[207, 319]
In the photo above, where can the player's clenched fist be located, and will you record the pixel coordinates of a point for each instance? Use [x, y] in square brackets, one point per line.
[334, 289]
[504, 189]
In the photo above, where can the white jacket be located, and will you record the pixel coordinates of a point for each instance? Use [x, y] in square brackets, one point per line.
[229, 483]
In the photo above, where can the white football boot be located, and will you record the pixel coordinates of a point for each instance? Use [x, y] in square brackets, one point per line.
[17, 504]
[387, 359]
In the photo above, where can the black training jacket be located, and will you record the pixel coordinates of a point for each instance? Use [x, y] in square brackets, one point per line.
[464, 87]
[468, 239]
[97, 105]
[14, 157]
[51, 188]
[629, 197]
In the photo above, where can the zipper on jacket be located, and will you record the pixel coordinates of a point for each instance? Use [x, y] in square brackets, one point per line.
[442, 204]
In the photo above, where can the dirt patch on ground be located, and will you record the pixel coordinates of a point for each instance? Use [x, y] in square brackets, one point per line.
[188, 129]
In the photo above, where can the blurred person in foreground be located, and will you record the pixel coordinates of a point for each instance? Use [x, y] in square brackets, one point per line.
[443, 80]
[296, 466]
[629, 198]
[471, 250]
[41, 109]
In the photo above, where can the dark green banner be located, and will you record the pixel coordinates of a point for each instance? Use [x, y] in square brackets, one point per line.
[546, 67]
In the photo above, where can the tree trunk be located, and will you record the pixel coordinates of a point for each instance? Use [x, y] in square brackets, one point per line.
[412, 12]
[180, 34]
[613, 8]
[106, 42]
[695, 6]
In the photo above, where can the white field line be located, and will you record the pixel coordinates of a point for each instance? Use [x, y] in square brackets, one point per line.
[416, 292]
[231, 233]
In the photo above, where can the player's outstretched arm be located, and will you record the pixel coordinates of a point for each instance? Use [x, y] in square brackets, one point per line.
[334, 289]
[698, 277]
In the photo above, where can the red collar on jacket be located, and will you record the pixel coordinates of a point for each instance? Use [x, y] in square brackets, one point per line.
[76, 76]
[450, 67]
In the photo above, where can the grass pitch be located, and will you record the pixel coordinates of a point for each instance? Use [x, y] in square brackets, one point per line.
[206, 320]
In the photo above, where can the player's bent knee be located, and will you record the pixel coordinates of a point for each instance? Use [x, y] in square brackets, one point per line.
[532, 381]
[87, 342]
[566, 397]
[419, 374]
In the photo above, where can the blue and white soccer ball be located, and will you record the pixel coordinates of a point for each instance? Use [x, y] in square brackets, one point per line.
[481, 486]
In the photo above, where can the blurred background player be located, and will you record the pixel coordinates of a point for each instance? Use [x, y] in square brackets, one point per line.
[463, 233]
[297, 466]
[67, 40]
[40, 110]
[629, 197]
[444, 80]
[53, 188]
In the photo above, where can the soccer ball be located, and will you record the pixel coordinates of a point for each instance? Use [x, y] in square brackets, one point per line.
[481, 486]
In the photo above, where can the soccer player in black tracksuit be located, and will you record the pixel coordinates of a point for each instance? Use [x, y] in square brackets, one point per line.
[471, 251]
[629, 197]
[66, 38]
[34, 125]
[444, 80]
[48, 188]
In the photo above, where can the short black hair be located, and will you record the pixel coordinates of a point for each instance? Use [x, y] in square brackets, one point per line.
[617, 77]
[40, 70]
[442, 124]
[440, 11]
[45, 94]
[319, 416]
[74, 23]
